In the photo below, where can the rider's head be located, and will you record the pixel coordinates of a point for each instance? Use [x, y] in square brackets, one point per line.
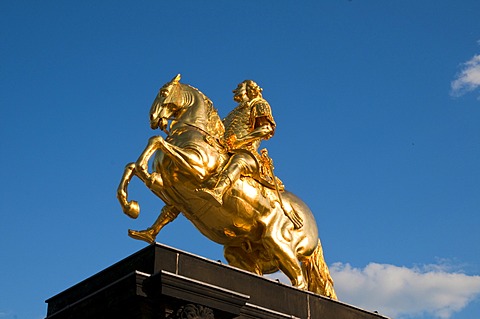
[253, 89]
[240, 93]
[247, 91]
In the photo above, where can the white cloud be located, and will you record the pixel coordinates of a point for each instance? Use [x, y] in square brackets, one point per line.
[469, 78]
[402, 292]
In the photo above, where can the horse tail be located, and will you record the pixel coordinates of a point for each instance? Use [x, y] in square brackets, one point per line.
[316, 273]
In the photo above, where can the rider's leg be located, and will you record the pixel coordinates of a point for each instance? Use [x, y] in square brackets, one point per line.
[168, 214]
[239, 164]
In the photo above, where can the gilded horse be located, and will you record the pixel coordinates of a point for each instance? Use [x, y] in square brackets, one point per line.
[251, 224]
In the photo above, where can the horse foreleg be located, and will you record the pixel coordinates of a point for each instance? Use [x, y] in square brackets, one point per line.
[130, 208]
[140, 169]
[168, 214]
[152, 180]
[141, 165]
[187, 159]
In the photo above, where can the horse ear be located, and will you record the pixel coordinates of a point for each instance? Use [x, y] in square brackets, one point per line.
[176, 79]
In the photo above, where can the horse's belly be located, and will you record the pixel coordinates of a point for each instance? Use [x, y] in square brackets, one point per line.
[221, 226]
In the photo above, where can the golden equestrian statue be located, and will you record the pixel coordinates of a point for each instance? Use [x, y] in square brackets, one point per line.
[211, 171]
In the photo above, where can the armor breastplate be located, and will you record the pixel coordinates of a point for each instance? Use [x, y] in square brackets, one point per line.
[238, 122]
[241, 121]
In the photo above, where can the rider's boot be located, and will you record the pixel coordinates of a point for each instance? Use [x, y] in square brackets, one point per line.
[216, 193]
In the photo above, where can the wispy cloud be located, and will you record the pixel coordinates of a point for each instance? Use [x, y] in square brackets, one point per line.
[468, 79]
[402, 292]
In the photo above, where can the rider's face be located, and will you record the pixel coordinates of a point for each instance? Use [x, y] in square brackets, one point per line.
[251, 92]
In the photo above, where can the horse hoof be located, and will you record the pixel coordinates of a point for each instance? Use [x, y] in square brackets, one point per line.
[144, 235]
[132, 209]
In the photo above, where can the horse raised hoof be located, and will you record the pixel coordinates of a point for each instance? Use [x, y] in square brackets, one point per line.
[211, 195]
[145, 235]
[132, 209]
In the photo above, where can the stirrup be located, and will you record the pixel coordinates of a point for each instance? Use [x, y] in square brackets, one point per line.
[209, 194]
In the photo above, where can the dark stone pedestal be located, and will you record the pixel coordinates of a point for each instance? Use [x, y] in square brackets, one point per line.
[162, 282]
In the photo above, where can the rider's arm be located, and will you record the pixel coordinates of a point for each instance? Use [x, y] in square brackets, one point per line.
[263, 129]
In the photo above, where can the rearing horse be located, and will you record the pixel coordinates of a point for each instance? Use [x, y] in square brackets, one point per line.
[251, 224]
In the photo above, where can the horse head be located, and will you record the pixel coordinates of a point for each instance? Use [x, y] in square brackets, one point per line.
[184, 105]
[167, 103]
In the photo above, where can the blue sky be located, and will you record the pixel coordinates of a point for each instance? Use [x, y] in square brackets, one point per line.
[377, 105]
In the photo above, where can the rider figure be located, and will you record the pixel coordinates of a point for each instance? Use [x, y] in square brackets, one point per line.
[245, 127]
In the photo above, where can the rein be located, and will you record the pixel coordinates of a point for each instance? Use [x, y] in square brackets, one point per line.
[188, 124]
[209, 138]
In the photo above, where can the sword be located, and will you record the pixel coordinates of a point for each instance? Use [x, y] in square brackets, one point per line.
[291, 214]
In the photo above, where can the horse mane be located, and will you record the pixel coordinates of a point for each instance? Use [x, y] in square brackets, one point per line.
[214, 125]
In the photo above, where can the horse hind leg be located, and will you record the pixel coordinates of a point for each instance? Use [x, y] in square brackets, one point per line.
[290, 266]
[238, 257]
[316, 272]
[250, 258]
[167, 215]
[283, 250]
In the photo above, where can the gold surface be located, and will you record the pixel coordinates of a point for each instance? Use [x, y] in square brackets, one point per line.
[212, 173]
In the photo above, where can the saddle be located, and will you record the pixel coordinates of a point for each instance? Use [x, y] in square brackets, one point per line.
[264, 176]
